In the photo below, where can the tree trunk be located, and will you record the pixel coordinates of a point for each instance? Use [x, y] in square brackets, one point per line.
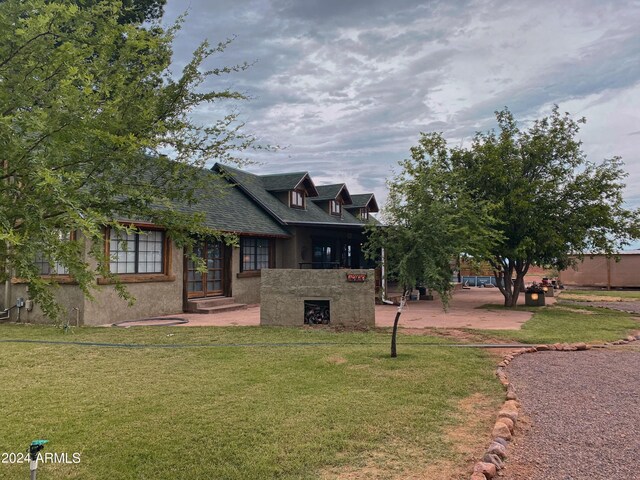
[394, 335]
[521, 267]
[394, 352]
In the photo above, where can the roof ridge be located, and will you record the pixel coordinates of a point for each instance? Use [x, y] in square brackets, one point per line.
[280, 174]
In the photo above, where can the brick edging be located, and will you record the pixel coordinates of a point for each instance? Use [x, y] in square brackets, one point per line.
[496, 453]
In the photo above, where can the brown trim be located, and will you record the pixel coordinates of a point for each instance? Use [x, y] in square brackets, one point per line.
[306, 177]
[272, 257]
[249, 273]
[304, 199]
[339, 204]
[138, 278]
[167, 260]
[261, 235]
[225, 286]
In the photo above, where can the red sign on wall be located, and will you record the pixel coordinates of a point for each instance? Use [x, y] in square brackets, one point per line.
[356, 277]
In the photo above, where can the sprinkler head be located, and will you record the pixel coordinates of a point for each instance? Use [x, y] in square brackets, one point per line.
[35, 447]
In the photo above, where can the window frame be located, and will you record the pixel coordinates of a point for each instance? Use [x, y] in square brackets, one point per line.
[364, 213]
[293, 194]
[41, 262]
[335, 208]
[138, 277]
[254, 254]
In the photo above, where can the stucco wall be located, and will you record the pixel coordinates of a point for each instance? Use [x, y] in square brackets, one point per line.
[68, 296]
[283, 292]
[243, 289]
[598, 271]
[152, 298]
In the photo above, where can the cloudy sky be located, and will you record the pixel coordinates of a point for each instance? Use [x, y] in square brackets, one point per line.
[347, 85]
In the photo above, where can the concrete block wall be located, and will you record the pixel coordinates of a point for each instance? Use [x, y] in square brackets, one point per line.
[283, 292]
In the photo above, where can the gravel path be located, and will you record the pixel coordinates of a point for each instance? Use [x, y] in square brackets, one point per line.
[584, 414]
[632, 307]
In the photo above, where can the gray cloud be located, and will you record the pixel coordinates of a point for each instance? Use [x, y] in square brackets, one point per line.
[348, 85]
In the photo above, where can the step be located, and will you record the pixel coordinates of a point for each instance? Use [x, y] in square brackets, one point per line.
[196, 303]
[222, 308]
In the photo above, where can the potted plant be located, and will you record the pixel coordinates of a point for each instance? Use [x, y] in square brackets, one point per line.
[547, 288]
[534, 295]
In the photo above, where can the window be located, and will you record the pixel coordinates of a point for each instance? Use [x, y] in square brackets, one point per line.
[296, 199]
[323, 254]
[255, 254]
[140, 252]
[364, 213]
[335, 207]
[47, 268]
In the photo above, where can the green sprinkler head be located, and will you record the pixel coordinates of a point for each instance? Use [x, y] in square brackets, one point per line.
[35, 447]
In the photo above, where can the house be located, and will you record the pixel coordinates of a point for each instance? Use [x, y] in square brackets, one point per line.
[598, 270]
[281, 220]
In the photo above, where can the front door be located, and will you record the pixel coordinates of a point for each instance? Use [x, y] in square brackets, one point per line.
[211, 282]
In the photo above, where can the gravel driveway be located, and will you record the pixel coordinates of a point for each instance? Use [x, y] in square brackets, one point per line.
[584, 413]
[631, 307]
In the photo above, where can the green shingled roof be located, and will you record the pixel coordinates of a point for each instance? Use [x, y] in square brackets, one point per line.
[228, 209]
[281, 182]
[331, 192]
[254, 187]
[362, 200]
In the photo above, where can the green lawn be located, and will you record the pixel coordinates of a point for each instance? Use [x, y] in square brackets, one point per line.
[617, 294]
[564, 323]
[239, 412]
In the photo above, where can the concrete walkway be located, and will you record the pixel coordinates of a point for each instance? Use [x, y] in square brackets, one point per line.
[463, 312]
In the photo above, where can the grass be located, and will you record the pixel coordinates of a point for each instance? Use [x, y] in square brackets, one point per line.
[594, 295]
[239, 412]
[202, 335]
[560, 324]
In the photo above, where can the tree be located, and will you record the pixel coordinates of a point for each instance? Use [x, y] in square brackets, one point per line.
[430, 219]
[134, 11]
[536, 198]
[551, 202]
[87, 108]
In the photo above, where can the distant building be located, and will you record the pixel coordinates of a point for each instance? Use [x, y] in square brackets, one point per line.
[621, 271]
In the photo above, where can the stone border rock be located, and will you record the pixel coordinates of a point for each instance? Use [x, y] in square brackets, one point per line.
[496, 453]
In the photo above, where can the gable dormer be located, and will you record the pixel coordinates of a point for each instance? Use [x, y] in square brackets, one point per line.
[292, 189]
[333, 198]
[362, 205]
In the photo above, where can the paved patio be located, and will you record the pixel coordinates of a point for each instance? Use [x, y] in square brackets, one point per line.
[463, 312]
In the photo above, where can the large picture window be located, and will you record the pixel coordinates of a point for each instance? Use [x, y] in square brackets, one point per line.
[140, 252]
[255, 254]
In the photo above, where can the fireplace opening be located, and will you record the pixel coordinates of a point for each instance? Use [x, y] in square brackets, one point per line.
[317, 312]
